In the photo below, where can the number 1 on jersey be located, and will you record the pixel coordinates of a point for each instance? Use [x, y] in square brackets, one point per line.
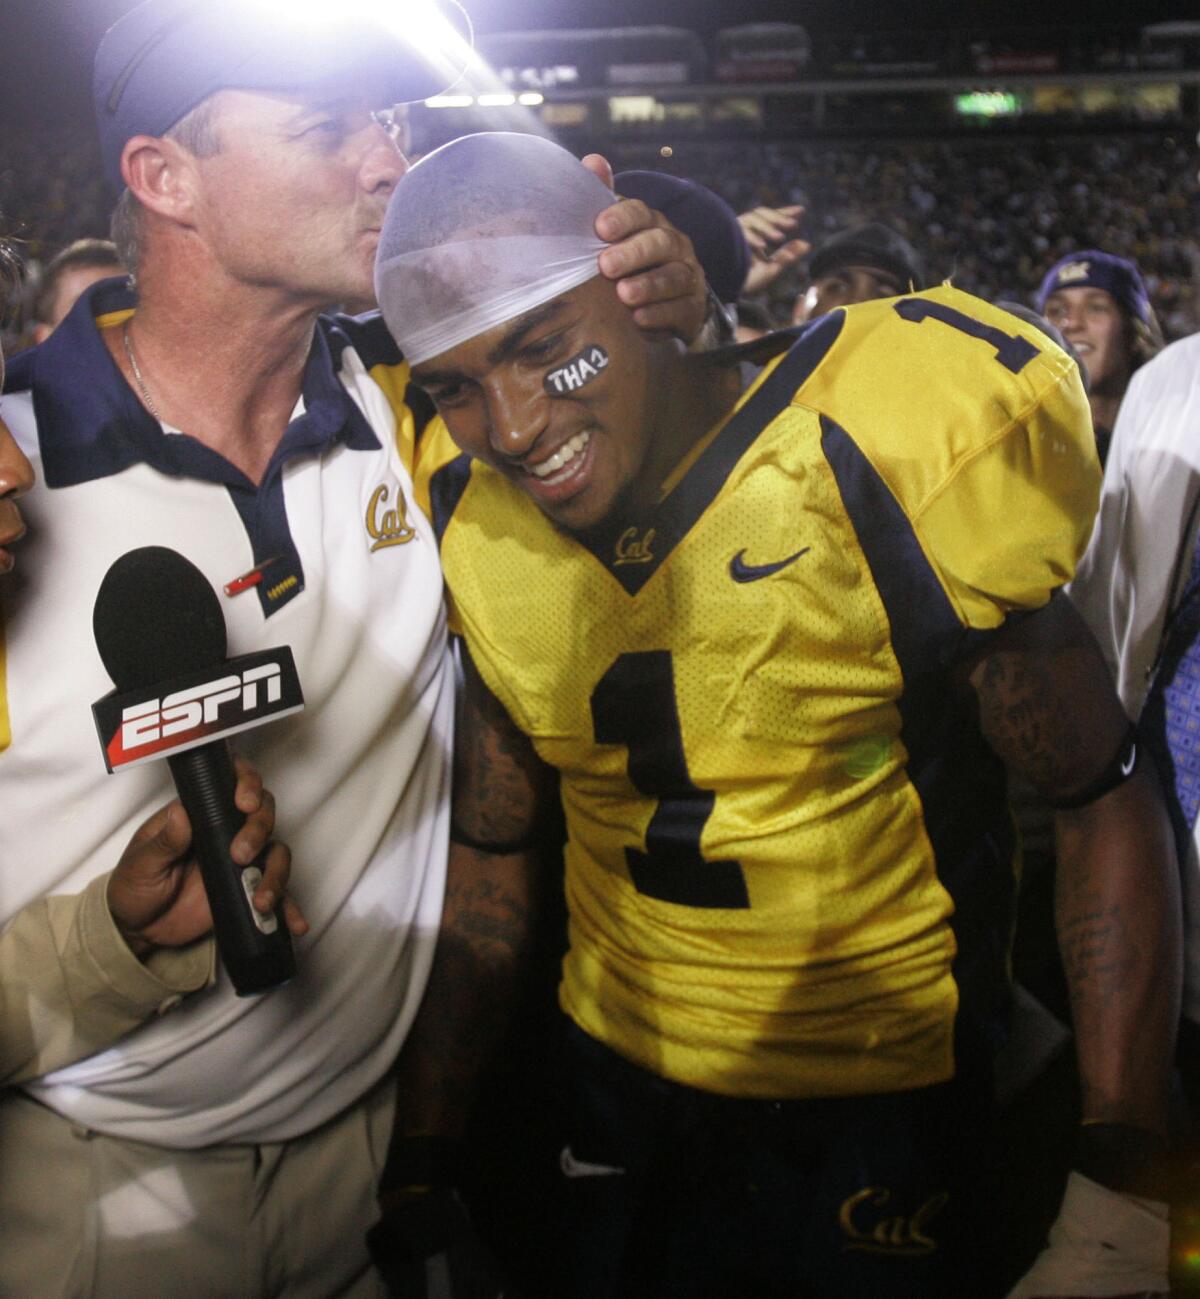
[1012, 351]
[634, 705]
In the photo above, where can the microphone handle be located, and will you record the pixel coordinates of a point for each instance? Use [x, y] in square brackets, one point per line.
[256, 949]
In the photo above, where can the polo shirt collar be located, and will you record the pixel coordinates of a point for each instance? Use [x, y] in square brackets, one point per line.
[91, 424]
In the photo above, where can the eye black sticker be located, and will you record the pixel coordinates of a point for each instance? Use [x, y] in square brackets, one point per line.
[577, 371]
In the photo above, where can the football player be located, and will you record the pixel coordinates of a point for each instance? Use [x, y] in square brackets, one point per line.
[772, 620]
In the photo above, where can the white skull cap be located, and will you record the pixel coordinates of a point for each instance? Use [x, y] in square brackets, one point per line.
[482, 230]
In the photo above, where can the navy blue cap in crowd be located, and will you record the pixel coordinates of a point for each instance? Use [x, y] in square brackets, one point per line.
[165, 57]
[1092, 269]
[873, 245]
[707, 220]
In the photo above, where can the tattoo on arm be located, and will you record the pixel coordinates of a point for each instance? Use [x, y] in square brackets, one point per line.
[1092, 940]
[501, 788]
[1046, 702]
[500, 784]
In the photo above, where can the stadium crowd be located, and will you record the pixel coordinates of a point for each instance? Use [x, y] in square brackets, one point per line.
[989, 215]
[784, 1062]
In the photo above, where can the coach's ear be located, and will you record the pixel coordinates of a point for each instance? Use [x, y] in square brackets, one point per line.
[158, 172]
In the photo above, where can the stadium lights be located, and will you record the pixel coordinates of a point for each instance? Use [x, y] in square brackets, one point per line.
[501, 99]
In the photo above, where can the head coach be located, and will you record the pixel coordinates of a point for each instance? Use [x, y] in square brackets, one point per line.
[230, 1147]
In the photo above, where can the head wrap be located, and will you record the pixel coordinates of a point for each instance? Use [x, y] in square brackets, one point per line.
[482, 230]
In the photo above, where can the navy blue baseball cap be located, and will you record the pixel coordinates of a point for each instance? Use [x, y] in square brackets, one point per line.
[163, 58]
[707, 220]
[1092, 269]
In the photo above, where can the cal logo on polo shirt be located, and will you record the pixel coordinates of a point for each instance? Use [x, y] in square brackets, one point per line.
[387, 522]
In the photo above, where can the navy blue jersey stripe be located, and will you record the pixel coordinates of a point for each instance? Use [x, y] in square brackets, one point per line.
[959, 780]
[446, 488]
[675, 517]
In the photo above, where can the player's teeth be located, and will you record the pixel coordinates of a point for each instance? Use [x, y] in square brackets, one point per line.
[564, 455]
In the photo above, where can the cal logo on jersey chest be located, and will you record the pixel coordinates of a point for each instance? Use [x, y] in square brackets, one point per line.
[634, 546]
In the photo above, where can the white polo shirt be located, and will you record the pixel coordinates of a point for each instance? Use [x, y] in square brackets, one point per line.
[361, 776]
[1139, 559]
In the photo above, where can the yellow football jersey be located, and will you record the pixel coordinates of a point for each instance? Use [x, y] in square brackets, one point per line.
[789, 859]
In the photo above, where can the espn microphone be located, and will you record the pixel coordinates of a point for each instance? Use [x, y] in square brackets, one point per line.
[161, 636]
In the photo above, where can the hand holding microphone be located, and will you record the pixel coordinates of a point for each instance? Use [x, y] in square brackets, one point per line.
[155, 895]
[161, 636]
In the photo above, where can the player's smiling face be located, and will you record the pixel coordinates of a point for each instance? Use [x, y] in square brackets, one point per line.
[578, 452]
[1092, 322]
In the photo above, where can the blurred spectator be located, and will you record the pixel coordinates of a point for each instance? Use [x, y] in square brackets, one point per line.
[858, 265]
[76, 268]
[772, 250]
[987, 215]
[1100, 304]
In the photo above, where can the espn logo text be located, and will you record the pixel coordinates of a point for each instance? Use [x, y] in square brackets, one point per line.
[187, 711]
[136, 726]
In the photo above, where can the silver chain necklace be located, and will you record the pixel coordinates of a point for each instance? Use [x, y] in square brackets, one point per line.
[137, 374]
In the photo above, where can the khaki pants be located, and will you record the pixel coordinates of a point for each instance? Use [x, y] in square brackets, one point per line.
[86, 1216]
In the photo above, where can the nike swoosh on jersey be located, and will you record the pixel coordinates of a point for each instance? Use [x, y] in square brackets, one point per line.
[1127, 767]
[573, 1167]
[740, 571]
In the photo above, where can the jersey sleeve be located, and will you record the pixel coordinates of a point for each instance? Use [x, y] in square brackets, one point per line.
[1010, 524]
[979, 427]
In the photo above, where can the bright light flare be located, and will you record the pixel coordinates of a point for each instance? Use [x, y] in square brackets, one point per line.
[420, 23]
[470, 81]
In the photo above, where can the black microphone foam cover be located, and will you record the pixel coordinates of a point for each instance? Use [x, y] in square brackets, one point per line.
[156, 617]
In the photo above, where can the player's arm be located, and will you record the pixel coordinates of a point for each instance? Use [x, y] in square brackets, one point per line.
[501, 789]
[1048, 708]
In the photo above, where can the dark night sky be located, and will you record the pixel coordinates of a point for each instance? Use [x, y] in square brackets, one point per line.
[46, 45]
